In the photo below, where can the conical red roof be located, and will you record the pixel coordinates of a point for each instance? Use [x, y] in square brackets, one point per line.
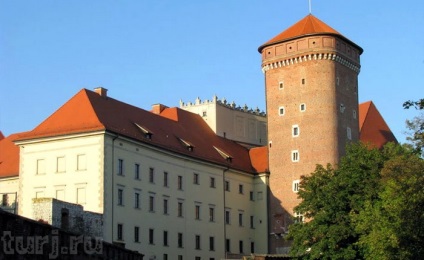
[309, 25]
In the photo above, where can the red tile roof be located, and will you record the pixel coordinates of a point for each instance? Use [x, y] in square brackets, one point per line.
[309, 25]
[259, 157]
[88, 111]
[1, 136]
[9, 157]
[373, 129]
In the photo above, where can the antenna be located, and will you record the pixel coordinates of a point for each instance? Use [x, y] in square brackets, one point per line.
[310, 7]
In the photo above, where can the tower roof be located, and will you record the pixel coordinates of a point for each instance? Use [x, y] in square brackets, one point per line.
[309, 25]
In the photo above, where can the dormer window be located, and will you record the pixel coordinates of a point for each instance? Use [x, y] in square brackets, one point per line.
[224, 155]
[147, 134]
[188, 145]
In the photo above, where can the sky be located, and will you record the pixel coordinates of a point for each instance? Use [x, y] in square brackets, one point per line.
[162, 51]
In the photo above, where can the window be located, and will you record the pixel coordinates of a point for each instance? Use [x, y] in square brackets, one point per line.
[165, 179]
[240, 219]
[137, 171]
[281, 85]
[120, 167]
[180, 182]
[204, 113]
[295, 130]
[151, 175]
[61, 167]
[354, 114]
[151, 236]
[180, 257]
[227, 245]
[165, 256]
[260, 195]
[211, 243]
[81, 196]
[4, 201]
[303, 81]
[81, 162]
[211, 214]
[302, 107]
[298, 218]
[241, 188]
[251, 196]
[241, 246]
[165, 206]
[349, 133]
[120, 232]
[227, 217]
[60, 194]
[295, 156]
[342, 108]
[180, 240]
[196, 178]
[252, 247]
[136, 234]
[151, 203]
[281, 111]
[120, 197]
[165, 238]
[296, 184]
[197, 258]
[227, 186]
[197, 242]
[212, 182]
[137, 200]
[252, 222]
[41, 166]
[197, 212]
[338, 81]
[180, 209]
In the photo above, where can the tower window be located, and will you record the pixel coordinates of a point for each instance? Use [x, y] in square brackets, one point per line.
[354, 114]
[342, 108]
[296, 185]
[295, 156]
[349, 133]
[303, 81]
[295, 130]
[281, 85]
[338, 81]
[281, 111]
[302, 107]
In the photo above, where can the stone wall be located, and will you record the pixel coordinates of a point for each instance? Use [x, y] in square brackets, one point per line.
[68, 216]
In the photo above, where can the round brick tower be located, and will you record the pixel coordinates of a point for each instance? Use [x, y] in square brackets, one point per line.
[311, 80]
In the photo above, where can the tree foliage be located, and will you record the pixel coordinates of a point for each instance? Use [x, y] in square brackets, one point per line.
[416, 127]
[362, 209]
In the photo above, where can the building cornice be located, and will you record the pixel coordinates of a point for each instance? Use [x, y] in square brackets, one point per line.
[309, 57]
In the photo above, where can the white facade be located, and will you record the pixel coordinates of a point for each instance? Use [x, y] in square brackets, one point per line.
[181, 214]
[228, 120]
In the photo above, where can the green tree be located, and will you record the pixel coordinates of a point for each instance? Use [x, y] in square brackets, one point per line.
[416, 127]
[329, 198]
[392, 226]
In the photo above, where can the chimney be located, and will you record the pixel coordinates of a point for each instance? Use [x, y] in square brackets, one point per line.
[101, 91]
[158, 108]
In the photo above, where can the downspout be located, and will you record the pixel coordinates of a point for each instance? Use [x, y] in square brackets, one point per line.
[113, 182]
[225, 223]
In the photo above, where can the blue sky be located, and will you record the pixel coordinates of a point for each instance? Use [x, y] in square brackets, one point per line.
[161, 51]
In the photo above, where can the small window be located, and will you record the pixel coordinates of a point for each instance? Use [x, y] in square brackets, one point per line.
[240, 188]
[298, 218]
[204, 113]
[61, 165]
[342, 108]
[81, 162]
[197, 243]
[180, 209]
[211, 214]
[354, 114]
[165, 179]
[281, 85]
[227, 245]
[137, 171]
[252, 222]
[180, 240]
[41, 166]
[349, 133]
[303, 81]
[137, 200]
[227, 186]
[211, 243]
[120, 197]
[165, 238]
[120, 232]
[251, 196]
[165, 206]
[227, 217]
[296, 184]
[240, 219]
[120, 167]
[197, 212]
[295, 130]
[241, 246]
[180, 182]
[151, 203]
[136, 234]
[151, 175]
[295, 156]
[151, 236]
[196, 178]
[302, 107]
[212, 182]
[281, 111]
[338, 81]
[4, 201]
